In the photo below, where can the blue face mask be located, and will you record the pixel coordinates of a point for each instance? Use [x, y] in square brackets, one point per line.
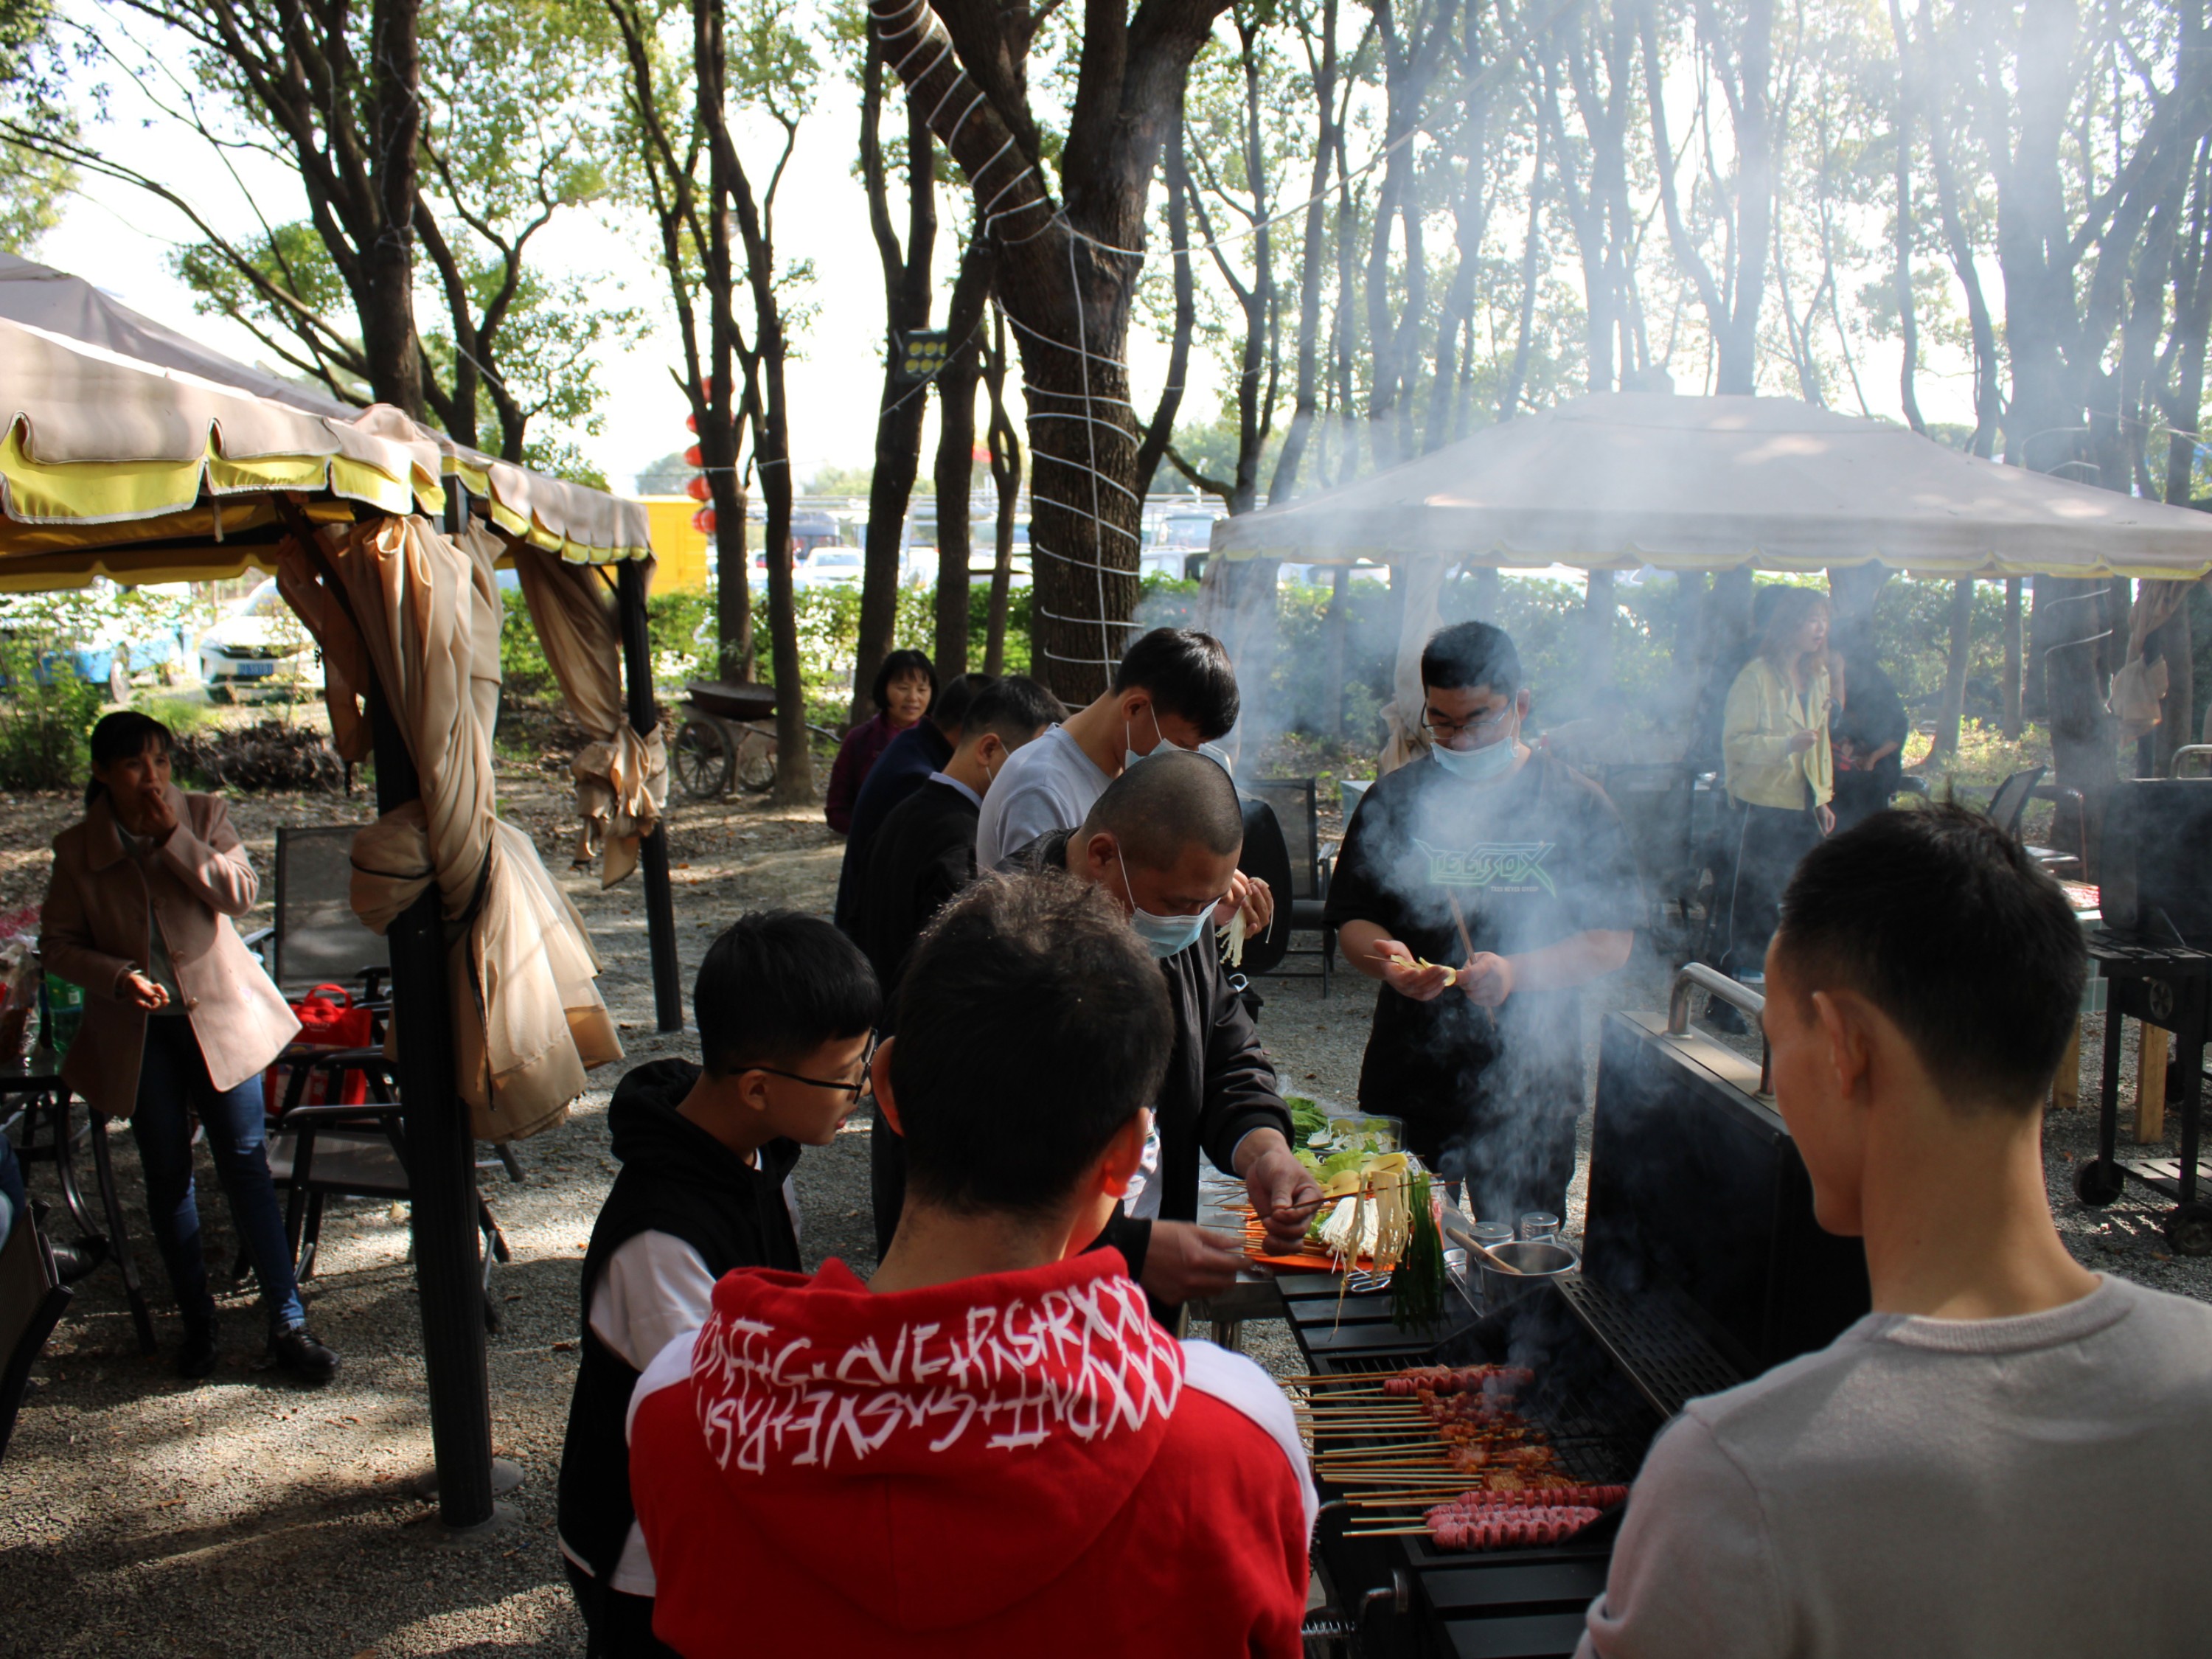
[1163, 936]
[1476, 765]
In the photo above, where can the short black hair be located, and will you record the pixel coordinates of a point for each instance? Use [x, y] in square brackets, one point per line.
[1188, 674]
[124, 735]
[1940, 920]
[1032, 1026]
[1469, 654]
[776, 985]
[948, 710]
[1014, 709]
[898, 666]
[1163, 804]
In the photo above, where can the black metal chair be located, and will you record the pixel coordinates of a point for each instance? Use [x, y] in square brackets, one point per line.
[1294, 805]
[31, 1297]
[324, 1149]
[2010, 805]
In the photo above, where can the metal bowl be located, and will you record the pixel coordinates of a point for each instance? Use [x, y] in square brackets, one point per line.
[1537, 1263]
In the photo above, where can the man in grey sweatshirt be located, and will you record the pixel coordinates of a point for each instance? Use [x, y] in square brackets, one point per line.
[1989, 1463]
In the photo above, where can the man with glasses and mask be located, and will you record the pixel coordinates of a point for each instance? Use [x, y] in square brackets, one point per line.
[786, 1007]
[1483, 884]
[1163, 840]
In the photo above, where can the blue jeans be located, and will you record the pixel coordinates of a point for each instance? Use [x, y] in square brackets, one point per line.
[174, 1082]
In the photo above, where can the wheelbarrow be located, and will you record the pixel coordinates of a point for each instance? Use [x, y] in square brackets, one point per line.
[727, 737]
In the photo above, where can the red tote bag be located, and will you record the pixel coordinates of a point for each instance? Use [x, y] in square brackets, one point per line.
[325, 1024]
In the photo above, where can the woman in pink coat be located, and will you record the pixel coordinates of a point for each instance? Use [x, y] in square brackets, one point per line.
[180, 1020]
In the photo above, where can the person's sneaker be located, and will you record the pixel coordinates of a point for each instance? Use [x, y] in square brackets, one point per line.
[196, 1358]
[295, 1349]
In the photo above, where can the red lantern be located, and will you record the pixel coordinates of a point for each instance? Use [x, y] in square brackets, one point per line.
[699, 489]
[703, 521]
[692, 424]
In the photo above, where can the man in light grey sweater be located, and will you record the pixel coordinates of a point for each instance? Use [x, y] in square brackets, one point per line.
[1997, 1461]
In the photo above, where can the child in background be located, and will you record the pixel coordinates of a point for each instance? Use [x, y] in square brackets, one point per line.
[785, 1006]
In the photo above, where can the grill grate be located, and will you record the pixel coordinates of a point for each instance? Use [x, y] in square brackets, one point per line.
[1659, 1351]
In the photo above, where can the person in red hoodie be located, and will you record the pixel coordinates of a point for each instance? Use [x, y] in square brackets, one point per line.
[991, 1448]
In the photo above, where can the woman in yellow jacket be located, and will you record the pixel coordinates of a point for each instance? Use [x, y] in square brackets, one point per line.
[179, 1018]
[1774, 736]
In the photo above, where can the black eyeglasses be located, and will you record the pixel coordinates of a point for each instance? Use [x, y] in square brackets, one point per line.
[855, 1090]
[1443, 729]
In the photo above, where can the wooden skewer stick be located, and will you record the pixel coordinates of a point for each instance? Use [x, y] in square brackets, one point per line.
[1387, 1532]
[1481, 1252]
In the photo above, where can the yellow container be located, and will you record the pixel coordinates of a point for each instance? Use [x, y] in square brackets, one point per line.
[679, 550]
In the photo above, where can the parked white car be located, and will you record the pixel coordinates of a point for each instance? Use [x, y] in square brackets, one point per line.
[830, 567]
[260, 648]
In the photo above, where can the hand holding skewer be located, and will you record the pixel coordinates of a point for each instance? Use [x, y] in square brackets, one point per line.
[1411, 977]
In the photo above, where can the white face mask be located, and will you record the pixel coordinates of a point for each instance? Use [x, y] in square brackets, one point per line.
[1163, 936]
[1160, 740]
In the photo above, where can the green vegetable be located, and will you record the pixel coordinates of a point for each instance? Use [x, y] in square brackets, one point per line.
[1417, 1287]
[1307, 1118]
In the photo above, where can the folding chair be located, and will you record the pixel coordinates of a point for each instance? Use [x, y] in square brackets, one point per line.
[1292, 806]
[31, 1297]
[319, 1151]
[2010, 805]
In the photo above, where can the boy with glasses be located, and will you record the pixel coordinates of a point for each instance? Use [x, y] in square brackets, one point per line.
[1483, 884]
[786, 1008]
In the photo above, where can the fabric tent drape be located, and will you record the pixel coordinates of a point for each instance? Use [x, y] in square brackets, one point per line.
[622, 779]
[2138, 694]
[529, 1019]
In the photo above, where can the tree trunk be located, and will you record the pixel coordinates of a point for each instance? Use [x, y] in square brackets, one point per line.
[733, 610]
[1339, 630]
[898, 423]
[1307, 400]
[1955, 671]
[385, 299]
[956, 469]
[1600, 608]
[2012, 658]
[2173, 642]
[1006, 478]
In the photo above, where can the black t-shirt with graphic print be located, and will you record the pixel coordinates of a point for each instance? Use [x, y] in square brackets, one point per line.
[1531, 861]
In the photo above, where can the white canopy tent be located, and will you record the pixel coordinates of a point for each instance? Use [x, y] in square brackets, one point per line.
[1624, 480]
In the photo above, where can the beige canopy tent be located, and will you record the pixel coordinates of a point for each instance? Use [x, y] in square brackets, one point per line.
[1625, 481]
[143, 471]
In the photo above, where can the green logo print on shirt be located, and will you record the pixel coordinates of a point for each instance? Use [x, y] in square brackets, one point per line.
[1504, 863]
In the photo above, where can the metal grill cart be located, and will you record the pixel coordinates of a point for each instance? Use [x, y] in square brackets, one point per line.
[2168, 986]
[1704, 1266]
[1609, 1374]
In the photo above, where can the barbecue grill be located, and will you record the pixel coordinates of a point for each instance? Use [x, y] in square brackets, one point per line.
[1702, 1266]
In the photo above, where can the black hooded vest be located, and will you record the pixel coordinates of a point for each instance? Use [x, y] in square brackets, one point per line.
[676, 1179]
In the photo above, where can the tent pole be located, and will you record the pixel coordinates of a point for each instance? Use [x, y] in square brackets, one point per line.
[441, 1175]
[652, 852]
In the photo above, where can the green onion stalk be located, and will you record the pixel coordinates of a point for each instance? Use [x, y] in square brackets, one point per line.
[1417, 1288]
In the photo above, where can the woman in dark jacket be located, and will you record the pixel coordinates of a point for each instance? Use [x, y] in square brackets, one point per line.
[180, 1020]
[905, 687]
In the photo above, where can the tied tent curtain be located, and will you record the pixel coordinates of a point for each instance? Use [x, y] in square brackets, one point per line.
[528, 1018]
[622, 779]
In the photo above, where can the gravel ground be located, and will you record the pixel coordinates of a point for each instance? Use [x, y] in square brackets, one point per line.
[245, 1516]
